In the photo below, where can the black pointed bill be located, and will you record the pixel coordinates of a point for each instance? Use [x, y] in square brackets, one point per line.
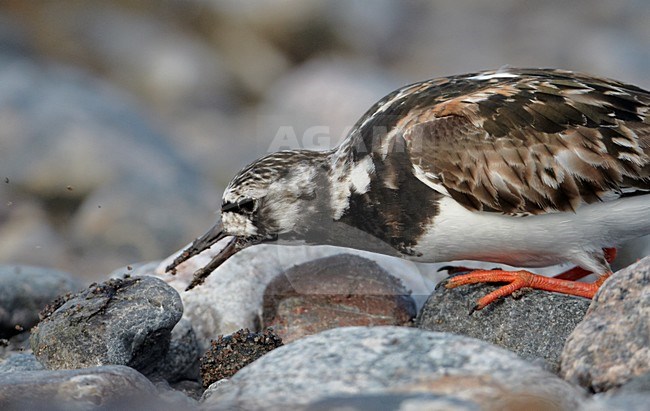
[207, 240]
[199, 245]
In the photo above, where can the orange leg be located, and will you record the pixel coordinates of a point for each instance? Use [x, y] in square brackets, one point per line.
[524, 279]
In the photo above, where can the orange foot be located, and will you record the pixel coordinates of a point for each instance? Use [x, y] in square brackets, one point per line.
[521, 279]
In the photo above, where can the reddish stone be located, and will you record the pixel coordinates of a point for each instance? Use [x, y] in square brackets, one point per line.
[337, 291]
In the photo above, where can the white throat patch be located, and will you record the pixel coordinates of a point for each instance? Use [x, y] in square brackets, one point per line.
[238, 225]
[360, 175]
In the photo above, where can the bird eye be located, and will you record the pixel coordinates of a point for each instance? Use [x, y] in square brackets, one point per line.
[243, 206]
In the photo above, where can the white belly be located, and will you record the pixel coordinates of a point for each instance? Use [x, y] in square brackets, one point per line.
[534, 241]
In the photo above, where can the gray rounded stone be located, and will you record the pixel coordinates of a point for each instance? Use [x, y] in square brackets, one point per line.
[89, 388]
[634, 395]
[639, 384]
[382, 360]
[20, 362]
[26, 290]
[628, 402]
[122, 322]
[379, 402]
[534, 326]
[612, 344]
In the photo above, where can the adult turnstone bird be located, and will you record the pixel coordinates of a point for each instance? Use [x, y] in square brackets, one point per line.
[525, 167]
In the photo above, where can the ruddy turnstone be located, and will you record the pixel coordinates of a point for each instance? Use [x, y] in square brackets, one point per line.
[525, 167]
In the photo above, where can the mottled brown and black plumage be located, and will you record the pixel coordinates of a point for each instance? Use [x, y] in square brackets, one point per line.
[519, 141]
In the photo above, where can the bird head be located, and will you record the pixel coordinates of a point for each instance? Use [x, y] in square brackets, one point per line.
[277, 194]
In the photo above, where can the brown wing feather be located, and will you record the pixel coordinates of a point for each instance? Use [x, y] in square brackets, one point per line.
[535, 144]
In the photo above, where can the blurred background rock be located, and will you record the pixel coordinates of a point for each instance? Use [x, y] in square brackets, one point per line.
[122, 121]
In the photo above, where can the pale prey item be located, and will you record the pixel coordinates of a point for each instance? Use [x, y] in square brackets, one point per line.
[525, 167]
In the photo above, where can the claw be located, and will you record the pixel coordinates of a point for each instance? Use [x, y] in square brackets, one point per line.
[452, 269]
